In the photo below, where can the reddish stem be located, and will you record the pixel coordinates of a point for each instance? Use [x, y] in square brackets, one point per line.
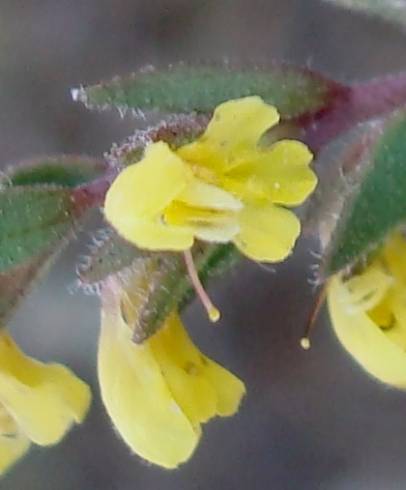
[93, 194]
[362, 101]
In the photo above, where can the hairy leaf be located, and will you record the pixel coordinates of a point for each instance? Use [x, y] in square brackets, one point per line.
[184, 89]
[31, 221]
[36, 222]
[169, 286]
[109, 254]
[16, 282]
[339, 167]
[378, 203]
[39, 212]
[66, 171]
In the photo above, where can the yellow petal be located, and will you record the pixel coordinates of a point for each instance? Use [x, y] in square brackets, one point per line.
[218, 233]
[381, 314]
[397, 332]
[364, 340]
[181, 365]
[229, 388]
[138, 400]
[43, 399]
[280, 174]
[202, 387]
[207, 224]
[12, 448]
[144, 189]
[397, 335]
[201, 195]
[267, 233]
[205, 160]
[156, 235]
[239, 124]
[236, 127]
[368, 289]
[394, 254]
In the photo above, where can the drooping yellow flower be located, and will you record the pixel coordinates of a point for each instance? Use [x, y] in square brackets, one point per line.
[368, 313]
[224, 187]
[38, 402]
[160, 392]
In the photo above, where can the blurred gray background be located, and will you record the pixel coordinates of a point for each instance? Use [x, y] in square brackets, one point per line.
[311, 420]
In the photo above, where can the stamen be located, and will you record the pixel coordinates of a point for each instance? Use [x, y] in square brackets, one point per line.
[212, 311]
[314, 313]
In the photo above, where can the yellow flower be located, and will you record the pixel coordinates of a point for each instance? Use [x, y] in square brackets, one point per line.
[368, 313]
[160, 392]
[38, 402]
[223, 187]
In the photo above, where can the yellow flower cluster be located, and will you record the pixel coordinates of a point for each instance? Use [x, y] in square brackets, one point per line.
[38, 402]
[159, 393]
[226, 186]
[368, 313]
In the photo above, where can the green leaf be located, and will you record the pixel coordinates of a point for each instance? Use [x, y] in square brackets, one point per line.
[39, 212]
[378, 203]
[339, 166]
[16, 282]
[35, 225]
[32, 221]
[66, 171]
[390, 10]
[184, 89]
[109, 254]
